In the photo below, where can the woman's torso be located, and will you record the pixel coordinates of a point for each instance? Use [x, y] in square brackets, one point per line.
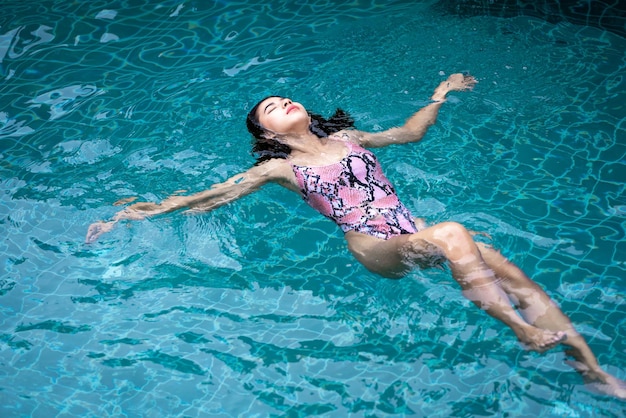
[347, 185]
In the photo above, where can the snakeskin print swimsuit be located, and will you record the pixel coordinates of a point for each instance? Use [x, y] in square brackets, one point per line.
[356, 195]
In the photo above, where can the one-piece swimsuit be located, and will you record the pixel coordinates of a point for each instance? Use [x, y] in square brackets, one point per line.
[356, 195]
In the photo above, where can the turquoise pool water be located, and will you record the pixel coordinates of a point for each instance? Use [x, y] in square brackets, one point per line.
[257, 309]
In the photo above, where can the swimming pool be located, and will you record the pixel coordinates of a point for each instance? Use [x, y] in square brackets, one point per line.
[257, 309]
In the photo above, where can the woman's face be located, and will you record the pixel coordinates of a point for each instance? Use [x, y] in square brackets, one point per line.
[280, 115]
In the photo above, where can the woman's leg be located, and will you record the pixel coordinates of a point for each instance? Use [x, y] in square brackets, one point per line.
[492, 283]
[539, 309]
[451, 242]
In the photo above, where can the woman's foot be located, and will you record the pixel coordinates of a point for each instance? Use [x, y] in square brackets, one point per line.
[599, 380]
[609, 385]
[540, 340]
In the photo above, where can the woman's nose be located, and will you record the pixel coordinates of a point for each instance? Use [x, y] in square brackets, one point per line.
[286, 102]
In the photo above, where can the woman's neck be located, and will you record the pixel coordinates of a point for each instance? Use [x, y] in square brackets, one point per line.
[304, 143]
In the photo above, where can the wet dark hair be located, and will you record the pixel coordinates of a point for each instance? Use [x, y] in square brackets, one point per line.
[264, 148]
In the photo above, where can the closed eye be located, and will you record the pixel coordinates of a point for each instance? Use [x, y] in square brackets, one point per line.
[270, 111]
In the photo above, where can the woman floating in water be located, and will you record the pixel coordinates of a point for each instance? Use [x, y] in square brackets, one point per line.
[327, 163]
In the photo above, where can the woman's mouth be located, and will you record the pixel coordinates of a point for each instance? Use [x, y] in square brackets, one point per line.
[292, 107]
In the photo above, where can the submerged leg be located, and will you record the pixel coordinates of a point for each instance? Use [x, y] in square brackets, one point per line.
[492, 283]
[539, 309]
[478, 281]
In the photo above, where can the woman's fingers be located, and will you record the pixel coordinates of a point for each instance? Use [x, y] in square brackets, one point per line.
[96, 229]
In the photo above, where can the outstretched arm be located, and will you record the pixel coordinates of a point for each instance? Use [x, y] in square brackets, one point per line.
[416, 126]
[218, 195]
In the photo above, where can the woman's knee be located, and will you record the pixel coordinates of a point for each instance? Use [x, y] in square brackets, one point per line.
[452, 233]
[455, 240]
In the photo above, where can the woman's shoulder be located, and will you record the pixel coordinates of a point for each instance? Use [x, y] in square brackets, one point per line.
[271, 165]
[278, 170]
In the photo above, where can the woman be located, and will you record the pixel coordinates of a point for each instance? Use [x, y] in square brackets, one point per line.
[328, 164]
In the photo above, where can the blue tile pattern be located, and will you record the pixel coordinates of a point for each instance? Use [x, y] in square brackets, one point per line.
[609, 15]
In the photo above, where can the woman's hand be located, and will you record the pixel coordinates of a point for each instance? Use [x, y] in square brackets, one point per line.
[96, 229]
[456, 82]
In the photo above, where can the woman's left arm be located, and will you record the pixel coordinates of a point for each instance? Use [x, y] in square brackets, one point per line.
[416, 126]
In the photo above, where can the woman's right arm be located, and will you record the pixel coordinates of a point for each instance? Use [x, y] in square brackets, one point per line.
[240, 185]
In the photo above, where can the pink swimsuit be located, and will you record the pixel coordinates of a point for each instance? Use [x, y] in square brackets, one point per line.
[356, 195]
